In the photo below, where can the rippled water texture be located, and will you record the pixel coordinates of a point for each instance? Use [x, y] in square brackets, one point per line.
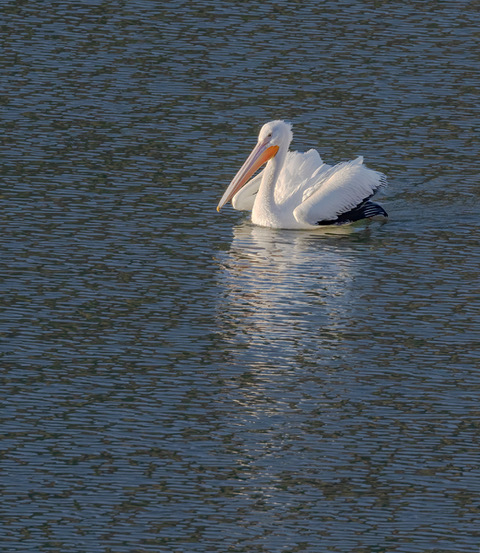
[178, 380]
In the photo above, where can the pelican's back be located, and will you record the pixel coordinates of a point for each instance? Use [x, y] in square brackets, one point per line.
[299, 173]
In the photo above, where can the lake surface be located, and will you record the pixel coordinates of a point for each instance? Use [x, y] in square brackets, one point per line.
[178, 380]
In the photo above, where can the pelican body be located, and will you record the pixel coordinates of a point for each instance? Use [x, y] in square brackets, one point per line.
[297, 190]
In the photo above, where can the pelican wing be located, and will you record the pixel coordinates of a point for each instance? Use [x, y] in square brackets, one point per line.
[245, 197]
[338, 190]
[299, 173]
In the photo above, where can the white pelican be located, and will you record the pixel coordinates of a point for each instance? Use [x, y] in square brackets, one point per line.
[299, 191]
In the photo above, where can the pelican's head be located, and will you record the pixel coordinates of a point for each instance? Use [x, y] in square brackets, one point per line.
[272, 137]
[278, 133]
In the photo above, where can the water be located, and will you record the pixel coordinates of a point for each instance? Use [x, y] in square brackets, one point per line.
[177, 380]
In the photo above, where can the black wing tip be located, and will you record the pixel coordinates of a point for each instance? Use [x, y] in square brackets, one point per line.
[372, 210]
[365, 210]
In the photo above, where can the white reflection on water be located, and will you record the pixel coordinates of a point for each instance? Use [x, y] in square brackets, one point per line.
[286, 293]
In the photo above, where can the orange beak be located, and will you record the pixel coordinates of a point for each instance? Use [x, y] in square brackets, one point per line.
[260, 155]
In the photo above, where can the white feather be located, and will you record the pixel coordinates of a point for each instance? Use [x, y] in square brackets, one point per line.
[245, 197]
[338, 190]
[296, 175]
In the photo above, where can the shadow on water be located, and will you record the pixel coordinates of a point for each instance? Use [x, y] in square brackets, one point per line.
[285, 294]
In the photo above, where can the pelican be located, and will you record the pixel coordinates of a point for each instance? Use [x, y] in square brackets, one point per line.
[297, 190]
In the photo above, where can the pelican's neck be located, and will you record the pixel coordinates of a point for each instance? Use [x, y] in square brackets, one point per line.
[266, 192]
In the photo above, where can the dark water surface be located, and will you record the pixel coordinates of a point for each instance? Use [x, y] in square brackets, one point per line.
[177, 380]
